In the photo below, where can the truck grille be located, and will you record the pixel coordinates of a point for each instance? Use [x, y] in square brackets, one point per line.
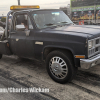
[96, 47]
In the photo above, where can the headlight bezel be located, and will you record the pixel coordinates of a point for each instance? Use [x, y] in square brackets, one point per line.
[92, 47]
[90, 44]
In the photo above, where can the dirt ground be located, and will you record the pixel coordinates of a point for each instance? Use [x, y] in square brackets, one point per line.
[29, 73]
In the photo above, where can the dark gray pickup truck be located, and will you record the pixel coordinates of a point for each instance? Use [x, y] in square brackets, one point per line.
[49, 35]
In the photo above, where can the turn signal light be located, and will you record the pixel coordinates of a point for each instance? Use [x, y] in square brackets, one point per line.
[79, 56]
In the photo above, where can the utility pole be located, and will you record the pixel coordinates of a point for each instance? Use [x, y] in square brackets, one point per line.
[18, 2]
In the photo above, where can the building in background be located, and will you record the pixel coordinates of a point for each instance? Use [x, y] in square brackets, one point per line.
[2, 16]
[66, 10]
[87, 10]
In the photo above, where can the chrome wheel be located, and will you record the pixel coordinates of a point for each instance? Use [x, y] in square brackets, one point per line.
[58, 67]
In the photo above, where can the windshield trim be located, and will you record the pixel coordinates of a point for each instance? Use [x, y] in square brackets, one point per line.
[55, 24]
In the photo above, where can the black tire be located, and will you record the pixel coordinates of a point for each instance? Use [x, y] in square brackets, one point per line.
[70, 66]
[0, 56]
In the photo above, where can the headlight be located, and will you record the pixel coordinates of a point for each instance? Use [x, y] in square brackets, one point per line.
[90, 44]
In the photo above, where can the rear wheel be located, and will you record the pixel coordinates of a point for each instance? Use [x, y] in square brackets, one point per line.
[60, 67]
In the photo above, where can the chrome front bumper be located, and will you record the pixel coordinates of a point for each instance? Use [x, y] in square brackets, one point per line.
[88, 63]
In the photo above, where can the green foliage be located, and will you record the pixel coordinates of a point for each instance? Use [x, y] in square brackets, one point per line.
[3, 19]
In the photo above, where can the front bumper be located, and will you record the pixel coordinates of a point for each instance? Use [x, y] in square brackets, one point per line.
[88, 63]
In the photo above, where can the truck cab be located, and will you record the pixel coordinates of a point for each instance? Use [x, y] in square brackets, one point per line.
[49, 35]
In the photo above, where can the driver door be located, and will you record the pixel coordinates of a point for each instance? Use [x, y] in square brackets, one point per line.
[19, 42]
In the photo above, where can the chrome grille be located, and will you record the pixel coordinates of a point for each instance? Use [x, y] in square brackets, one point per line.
[96, 47]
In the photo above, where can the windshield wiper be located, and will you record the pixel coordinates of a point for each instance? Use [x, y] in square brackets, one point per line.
[62, 22]
[65, 23]
[50, 24]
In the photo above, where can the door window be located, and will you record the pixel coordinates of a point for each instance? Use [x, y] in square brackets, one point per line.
[23, 19]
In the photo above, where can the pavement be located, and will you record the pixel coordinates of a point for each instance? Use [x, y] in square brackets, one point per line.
[8, 83]
[15, 72]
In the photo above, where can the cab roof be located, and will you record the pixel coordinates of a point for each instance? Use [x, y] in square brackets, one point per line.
[31, 10]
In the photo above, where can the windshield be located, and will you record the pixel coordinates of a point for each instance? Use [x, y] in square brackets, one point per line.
[44, 19]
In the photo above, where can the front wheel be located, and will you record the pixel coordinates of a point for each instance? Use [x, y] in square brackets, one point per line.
[60, 67]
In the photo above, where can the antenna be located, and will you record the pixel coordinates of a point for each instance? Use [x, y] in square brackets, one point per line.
[18, 2]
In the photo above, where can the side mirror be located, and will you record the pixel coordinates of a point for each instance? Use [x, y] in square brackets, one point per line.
[20, 27]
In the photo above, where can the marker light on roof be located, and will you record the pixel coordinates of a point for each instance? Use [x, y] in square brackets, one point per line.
[15, 7]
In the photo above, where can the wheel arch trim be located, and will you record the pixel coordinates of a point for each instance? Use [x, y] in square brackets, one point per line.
[58, 47]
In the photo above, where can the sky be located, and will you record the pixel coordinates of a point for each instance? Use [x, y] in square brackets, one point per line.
[44, 4]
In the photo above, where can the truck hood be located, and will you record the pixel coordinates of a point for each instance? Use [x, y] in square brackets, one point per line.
[79, 29]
